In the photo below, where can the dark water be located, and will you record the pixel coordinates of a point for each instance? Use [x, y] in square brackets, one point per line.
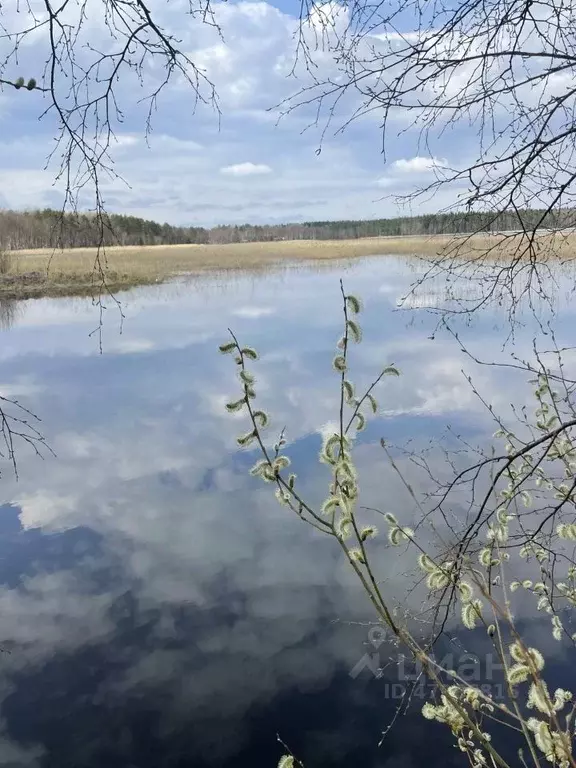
[157, 607]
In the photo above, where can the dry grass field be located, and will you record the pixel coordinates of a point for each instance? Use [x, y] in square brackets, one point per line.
[25, 274]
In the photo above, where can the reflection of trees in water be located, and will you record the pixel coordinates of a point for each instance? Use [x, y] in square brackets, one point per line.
[17, 423]
[10, 310]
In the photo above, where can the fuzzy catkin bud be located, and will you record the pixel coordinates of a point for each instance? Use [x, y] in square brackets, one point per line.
[518, 673]
[356, 555]
[470, 613]
[330, 505]
[485, 557]
[437, 580]
[344, 528]
[282, 496]
[427, 564]
[466, 591]
[354, 304]
[245, 440]
[246, 378]
[556, 628]
[566, 531]
[373, 403]
[397, 536]
[261, 418]
[539, 698]
[235, 406]
[355, 331]
[281, 462]
[367, 533]
[348, 390]
[263, 470]
[339, 363]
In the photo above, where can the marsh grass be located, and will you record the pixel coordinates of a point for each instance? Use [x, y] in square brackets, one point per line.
[5, 262]
[77, 272]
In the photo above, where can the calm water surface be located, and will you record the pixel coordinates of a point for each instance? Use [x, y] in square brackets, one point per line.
[157, 608]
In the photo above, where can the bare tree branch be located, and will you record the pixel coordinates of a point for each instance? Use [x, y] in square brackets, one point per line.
[501, 70]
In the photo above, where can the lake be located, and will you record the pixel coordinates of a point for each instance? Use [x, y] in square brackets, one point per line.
[157, 606]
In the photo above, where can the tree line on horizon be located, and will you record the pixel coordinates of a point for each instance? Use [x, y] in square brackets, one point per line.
[49, 228]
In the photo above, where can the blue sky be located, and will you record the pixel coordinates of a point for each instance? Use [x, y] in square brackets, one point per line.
[248, 166]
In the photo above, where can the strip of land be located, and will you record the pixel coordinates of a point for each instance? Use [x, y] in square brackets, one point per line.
[28, 274]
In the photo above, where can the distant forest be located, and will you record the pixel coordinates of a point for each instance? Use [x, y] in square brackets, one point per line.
[48, 228]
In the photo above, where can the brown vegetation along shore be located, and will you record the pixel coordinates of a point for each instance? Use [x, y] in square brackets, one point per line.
[26, 274]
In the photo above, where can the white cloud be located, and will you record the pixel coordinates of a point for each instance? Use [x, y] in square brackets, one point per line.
[131, 346]
[388, 288]
[20, 388]
[183, 174]
[126, 140]
[42, 509]
[246, 169]
[418, 164]
[253, 312]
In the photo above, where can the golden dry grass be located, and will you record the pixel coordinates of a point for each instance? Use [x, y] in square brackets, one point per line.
[76, 271]
[161, 261]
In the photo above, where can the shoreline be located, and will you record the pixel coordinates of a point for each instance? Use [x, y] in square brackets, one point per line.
[76, 272]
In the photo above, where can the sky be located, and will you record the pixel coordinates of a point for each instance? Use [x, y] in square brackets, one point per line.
[198, 167]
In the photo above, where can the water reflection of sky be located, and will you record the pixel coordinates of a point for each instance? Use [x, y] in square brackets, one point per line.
[157, 608]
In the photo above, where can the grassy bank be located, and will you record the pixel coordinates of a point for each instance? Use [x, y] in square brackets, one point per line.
[26, 274]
